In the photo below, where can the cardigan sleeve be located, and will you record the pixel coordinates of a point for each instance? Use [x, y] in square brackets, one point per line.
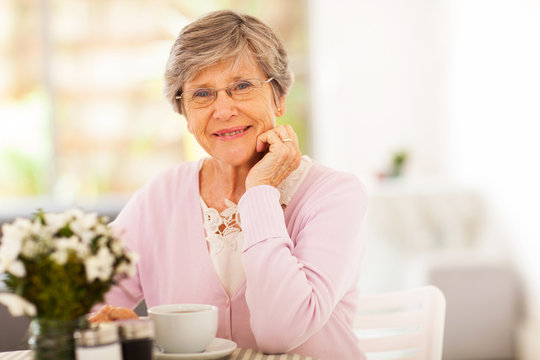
[128, 293]
[293, 287]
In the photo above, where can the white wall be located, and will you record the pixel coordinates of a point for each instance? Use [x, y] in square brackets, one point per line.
[495, 129]
[379, 73]
[495, 122]
[457, 82]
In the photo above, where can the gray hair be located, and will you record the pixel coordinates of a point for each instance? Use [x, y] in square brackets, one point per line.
[220, 36]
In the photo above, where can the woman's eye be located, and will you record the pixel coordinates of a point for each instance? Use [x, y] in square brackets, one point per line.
[242, 85]
[201, 93]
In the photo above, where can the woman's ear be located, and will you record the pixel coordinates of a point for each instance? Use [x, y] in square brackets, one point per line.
[190, 129]
[280, 109]
[186, 117]
[188, 123]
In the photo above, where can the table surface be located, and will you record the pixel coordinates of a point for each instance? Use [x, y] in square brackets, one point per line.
[238, 354]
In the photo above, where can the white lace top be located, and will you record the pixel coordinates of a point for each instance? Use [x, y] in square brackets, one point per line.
[224, 234]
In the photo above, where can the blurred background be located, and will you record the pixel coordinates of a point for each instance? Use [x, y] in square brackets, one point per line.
[433, 104]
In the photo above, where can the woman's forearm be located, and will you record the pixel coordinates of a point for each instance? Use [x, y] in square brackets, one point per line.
[293, 288]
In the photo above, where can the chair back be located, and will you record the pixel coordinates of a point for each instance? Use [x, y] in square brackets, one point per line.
[407, 324]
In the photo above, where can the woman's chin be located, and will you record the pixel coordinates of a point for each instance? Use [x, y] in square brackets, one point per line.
[240, 159]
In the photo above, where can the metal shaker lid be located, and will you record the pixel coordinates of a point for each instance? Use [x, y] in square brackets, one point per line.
[136, 329]
[102, 334]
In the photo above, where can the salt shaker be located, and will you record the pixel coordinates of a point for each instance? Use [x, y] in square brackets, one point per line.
[98, 342]
[137, 337]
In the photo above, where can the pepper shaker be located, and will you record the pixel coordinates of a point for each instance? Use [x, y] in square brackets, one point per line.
[98, 342]
[137, 338]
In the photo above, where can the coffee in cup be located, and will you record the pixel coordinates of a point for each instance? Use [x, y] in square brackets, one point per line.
[184, 328]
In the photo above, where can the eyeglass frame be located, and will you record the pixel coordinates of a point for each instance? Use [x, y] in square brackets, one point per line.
[227, 89]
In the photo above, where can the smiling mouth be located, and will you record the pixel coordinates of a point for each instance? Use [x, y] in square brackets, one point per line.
[231, 133]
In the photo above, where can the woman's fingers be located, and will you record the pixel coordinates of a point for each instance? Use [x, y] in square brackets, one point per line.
[122, 313]
[282, 132]
[282, 157]
[276, 136]
[292, 134]
[111, 313]
[267, 139]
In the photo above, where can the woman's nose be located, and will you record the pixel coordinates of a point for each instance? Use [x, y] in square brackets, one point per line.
[224, 106]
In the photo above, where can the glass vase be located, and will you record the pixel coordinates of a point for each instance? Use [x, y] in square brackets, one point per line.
[53, 339]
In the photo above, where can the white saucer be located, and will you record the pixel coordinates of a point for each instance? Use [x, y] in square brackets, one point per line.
[217, 349]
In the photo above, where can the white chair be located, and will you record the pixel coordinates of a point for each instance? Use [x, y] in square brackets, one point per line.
[407, 324]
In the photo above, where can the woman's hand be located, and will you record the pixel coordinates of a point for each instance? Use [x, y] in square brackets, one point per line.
[282, 158]
[112, 313]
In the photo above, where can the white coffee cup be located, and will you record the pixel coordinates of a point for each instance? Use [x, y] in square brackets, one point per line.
[184, 328]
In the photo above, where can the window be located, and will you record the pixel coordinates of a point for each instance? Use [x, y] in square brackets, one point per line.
[81, 108]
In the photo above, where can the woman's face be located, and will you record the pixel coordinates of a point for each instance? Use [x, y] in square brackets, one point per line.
[227, 129]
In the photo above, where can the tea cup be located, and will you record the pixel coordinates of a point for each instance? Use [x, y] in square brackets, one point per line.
[184, 328]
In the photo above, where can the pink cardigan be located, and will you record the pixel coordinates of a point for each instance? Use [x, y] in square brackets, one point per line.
[302, 264]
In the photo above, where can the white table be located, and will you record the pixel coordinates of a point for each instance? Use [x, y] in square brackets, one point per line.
[238, 354]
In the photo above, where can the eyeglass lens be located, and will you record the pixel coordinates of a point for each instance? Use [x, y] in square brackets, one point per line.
[238, 90]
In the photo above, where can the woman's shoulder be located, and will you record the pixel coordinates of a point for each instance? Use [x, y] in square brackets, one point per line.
[171, 182]
[182, 172]
[325, 183]
[321, 176]
[161, 195]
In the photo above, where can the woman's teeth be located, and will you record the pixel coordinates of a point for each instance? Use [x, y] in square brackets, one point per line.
[234, 132]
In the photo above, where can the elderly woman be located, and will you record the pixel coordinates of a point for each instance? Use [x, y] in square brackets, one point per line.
[267, 235]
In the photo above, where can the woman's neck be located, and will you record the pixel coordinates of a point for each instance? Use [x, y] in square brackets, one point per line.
[219, 181]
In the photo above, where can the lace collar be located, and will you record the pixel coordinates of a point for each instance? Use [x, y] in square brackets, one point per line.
[288, 186]
[291, 183]
[223, 229]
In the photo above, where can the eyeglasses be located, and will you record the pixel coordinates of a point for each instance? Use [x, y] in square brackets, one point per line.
[238, 90]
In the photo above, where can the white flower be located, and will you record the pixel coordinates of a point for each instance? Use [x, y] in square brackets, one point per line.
[102, 242]
[117, 247]
[17, 269]
[126, 268]
[30, 248]
[84, 224]
[82, 251]
[87, 236]
[77, 227]
[66, 243]
[54, 222]
[23, 225]
[43, 232]
[133, 257]
[89, 220]
[74, 244]
[9, 253]
[13, 233]
[60, 257]
[103, 229]
[99, 266]
[17, 305]
[11, 247]
[74, 214]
